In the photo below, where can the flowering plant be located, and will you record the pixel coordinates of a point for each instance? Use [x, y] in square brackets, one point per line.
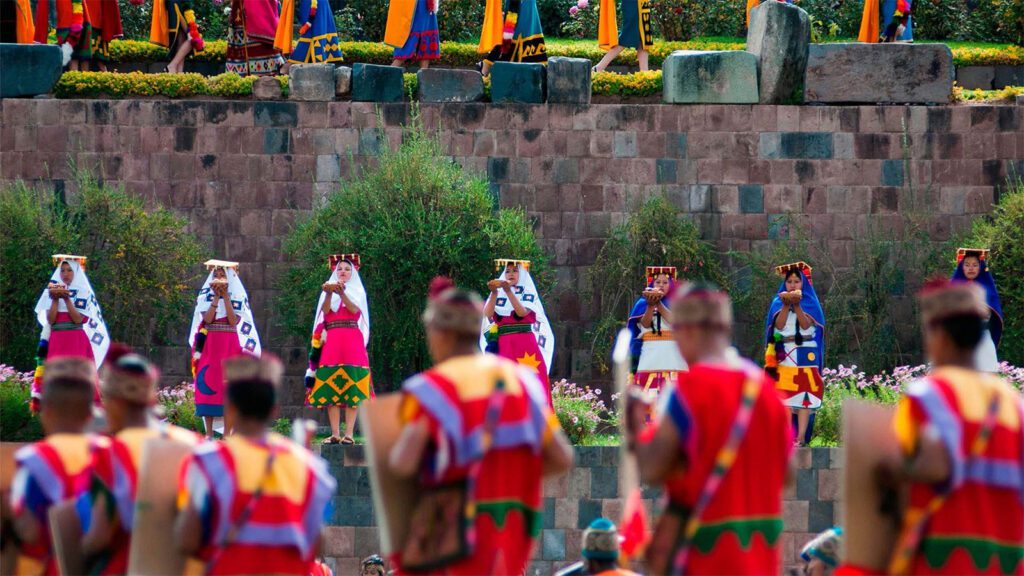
[583, 20]
[580, 410]
[177, 405]
[17, 424]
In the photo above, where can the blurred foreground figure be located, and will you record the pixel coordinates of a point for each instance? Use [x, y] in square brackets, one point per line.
[959, 431]
[720, 445]
[479, 437]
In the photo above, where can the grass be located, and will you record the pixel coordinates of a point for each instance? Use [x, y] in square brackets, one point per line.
[602, 440]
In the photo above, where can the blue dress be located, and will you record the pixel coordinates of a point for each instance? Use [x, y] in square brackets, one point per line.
[423, 43]
[320, 43]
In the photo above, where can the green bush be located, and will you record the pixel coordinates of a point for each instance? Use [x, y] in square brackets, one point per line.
[141, 261]
[656, 234]
[636, 84]
[1003, 232]
[676, 19]
[177, 404]
[209, 16]
[134, 84]
[413, 215]
[17, 424]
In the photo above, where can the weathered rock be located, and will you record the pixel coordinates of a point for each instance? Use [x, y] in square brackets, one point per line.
[266, 88]
[976, 77]
[871, 73]
[342, 81]
[28, 69]
[569, 80]
[515, 82]
[779, 36]
[1020, 100]
[692, 77]
[376, 83]
[1008, 76]
[311, 82]
[447, 85]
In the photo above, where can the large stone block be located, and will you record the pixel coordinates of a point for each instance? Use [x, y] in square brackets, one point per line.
[871, 73]
[569, 80]
[28, 69]
[515, 82]
[266, 88]
[311, 82]
[694, 77]
[375, 83]
[1008, 76]
[779, 36]
[976, 77]
[447, 85]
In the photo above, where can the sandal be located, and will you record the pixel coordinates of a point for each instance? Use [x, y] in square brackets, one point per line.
[347, 441]
[332, 440]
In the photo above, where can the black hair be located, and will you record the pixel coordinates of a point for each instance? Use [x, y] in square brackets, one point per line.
[964, 330]
[254, 398]
[69, 396]
[793, 272]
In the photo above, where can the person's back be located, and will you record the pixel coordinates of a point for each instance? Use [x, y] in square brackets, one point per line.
[57, 468]
[741, 525]
[226, 478]
[454, 398]
[980, 526]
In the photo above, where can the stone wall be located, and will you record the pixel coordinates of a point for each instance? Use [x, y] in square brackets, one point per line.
[244, 171]
[590, 490]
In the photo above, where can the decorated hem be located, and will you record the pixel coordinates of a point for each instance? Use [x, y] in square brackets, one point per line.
[769, 527]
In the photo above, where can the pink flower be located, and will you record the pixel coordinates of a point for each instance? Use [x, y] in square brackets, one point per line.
[582, 4]
[573, 10]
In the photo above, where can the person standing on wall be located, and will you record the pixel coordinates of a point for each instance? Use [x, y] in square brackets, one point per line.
[511, 33]
[636, 32]
[174, 27]
[318, 36]
[972, 266]
[74, 31]
[339, 367]
[413, 32]
[252, 31]
[795, 346]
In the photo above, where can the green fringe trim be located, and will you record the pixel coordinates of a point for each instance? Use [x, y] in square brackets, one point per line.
[937, 549]
[708, 534]
[499, 510]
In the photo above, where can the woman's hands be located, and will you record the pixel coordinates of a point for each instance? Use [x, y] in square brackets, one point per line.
[495, 285]
[653, 296]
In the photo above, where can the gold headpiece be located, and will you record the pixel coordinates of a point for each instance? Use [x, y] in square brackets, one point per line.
[267, 368]
[333, 259]
[801, 265]
[211, 264]
[70, 367]
[450, 308]
[653, 271]
[941, 299]
[58, 258]
[503, 262]
[130, 377]
[702, 304]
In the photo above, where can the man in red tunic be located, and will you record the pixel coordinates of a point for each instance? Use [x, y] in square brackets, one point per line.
[481, 422]
[961, 436]
[720, 445]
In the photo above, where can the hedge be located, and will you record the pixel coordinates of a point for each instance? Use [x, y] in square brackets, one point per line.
[464, 55]
[1008, 93]
[134, 84]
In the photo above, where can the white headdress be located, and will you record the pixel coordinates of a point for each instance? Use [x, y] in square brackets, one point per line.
[354, 289]
[528, 296]
[248, 337]
[83, 299]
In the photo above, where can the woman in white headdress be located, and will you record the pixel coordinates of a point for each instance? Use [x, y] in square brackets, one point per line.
[515, 325]
[71, 319]
[222, 327]
[339, 367]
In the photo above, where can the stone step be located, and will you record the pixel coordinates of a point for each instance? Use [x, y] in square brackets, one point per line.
[29, 69]
[517, 82]
[779, 36]
[449, 85]
[376, 83]
[569, 80]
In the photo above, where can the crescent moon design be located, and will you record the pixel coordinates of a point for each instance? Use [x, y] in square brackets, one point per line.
[201, 383]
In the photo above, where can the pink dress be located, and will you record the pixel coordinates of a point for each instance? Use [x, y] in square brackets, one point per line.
[343, 376]
[517, 342]
[221, 344]
[67, 338]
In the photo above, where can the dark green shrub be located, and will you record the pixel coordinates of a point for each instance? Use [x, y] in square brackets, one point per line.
[17, 423]
[416, 214]
[1003, 232]
[656, 234]
[135, 20]
[141, 262]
